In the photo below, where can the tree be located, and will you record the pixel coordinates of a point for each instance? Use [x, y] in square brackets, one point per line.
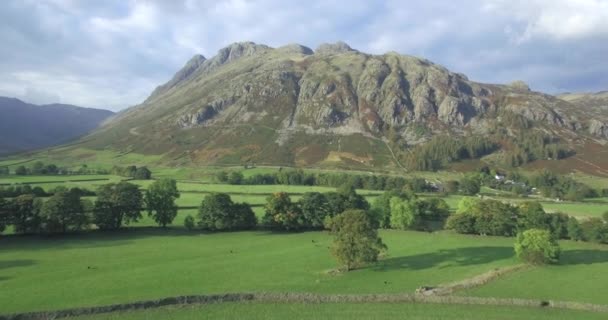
[63, 212]
[38, 168]
[537, 246]
[26, 214]
[352, 200]
[575, 232]
[235, 177]
[117, 203]
[356, 240]
[461, 223]
[221, 177]
[495, 218]
[595, 230]
[21, 171]
[315, 208]
[5, 214]
[532, 216]
[404, 213]
[467, 205]
[470, 186]
[142, 173]
[130, 171]
[160, 201]
[4, 171]
[218, 213]
[281, 213]
[215, 212]
[381, 208]
[245, 217]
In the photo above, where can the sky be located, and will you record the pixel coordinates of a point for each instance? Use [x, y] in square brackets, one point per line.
[111, 54]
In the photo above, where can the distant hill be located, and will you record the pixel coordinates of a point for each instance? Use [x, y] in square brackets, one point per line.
[25, 126]
[339, 107]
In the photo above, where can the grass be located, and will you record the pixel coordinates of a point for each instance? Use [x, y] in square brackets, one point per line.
[52, 273]
[580, 276]
[348, 311]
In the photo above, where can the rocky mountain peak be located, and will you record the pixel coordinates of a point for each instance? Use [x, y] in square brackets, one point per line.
[238, 50]
[295, 48]
[334, 48]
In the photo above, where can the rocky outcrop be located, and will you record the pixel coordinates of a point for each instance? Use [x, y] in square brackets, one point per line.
[182, 75]
[334, 48]
[598, 128]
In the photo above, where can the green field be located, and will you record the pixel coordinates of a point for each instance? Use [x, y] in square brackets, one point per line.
[348, 311]
[40, 273]
[579, 276]
[153, 263]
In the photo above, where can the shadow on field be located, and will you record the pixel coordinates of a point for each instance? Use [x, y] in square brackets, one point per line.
[6, 264]
[91, 239]
[576, 257]
[446, 258]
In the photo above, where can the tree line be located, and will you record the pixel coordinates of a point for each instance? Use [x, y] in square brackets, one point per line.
[495, 218]
[65, 211]
[13, 191]
[40, 168]
[335, 180]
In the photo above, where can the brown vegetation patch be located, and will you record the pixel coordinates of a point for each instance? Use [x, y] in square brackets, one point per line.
[310, 154]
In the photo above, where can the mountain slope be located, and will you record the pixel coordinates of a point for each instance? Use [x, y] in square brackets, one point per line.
[25, 126]
[333, 106]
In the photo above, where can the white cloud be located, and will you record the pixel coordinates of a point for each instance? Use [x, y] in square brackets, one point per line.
[558, 19]
[113, 53]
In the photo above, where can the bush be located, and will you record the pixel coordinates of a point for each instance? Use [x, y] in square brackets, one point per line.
[536, 246]
[189, 223]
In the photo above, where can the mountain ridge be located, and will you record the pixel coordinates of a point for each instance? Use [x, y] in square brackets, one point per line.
[250, 100]
[25, 126]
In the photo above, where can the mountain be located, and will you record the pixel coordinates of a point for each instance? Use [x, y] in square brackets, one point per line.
[25, 126]
[336, 106]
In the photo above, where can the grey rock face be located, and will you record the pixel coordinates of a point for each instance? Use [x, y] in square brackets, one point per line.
[598, 128]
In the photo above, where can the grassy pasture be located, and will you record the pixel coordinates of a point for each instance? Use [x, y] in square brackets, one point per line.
[580, 276]
[347, 311]
[52, 273]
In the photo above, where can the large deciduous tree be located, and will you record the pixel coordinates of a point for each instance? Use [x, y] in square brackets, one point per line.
[356, 240]
[64, 212]
[281, 213]
[25, 211]
[117, 203]
[160, 201]
[315, 208]
[218, 213]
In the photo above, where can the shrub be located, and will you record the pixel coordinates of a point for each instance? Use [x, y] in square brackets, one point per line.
[536, 246]
[189, 223]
